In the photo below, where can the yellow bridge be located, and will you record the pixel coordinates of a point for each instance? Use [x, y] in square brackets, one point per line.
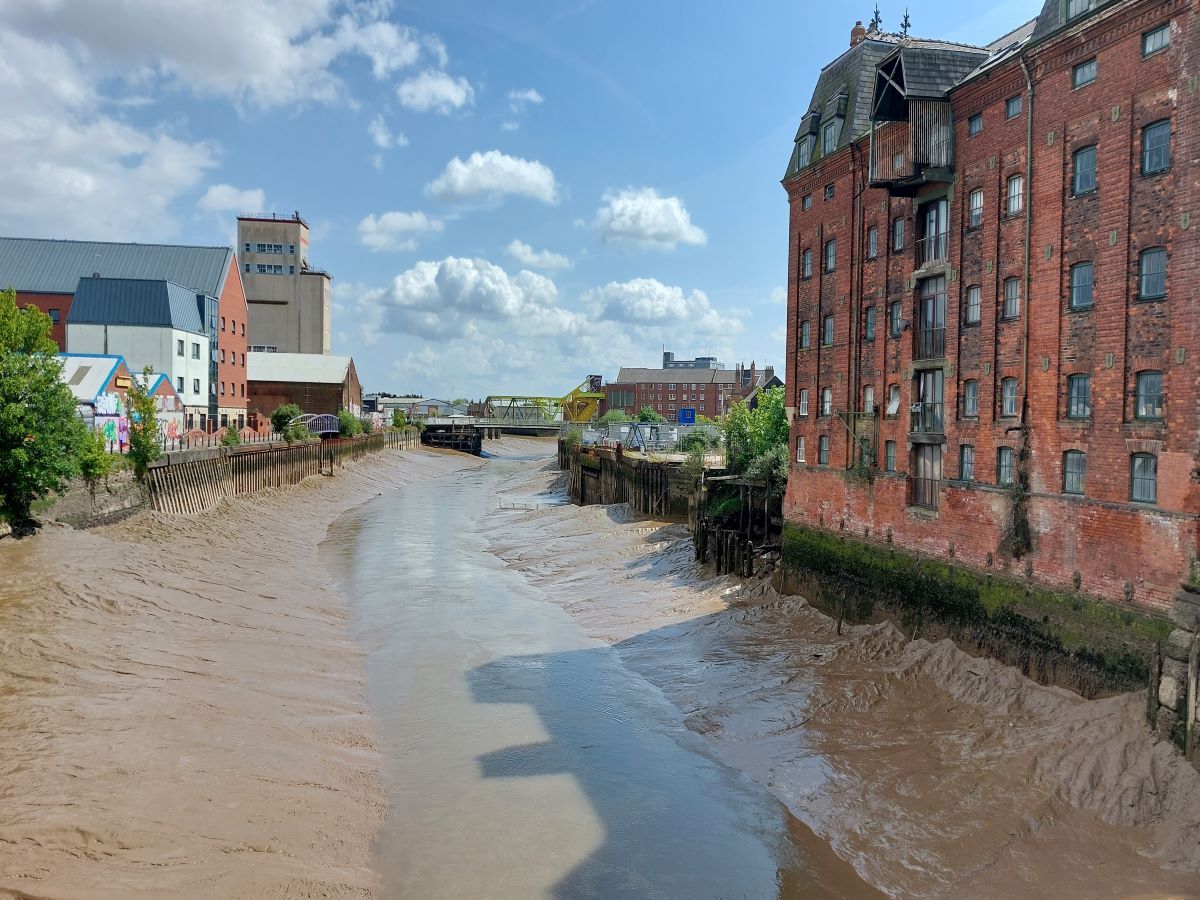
[580, 405]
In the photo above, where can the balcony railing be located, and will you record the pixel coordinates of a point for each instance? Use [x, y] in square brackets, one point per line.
[904, 149]
[923, 492]
[927, 418]
[933, 248]
[930, 343]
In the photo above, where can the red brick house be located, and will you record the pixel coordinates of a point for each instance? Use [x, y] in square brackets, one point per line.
[991, 297]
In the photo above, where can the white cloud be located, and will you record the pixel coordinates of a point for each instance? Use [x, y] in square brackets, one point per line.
[382, 137]
[396, 231]
[226, 198]
[538, 259]
[436, 91]
[777, 296]
[69, 168]
[647, 301]
[640, 216]
[492, 175]
[518, 100]
[509, 126]
[259, 53]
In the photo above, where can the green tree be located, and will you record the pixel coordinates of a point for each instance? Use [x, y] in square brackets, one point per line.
[368, 425]
[282, 417]
[399, 418]
[612, 417]
[40, 430]
[646, 414]
[348, 423]
[143, 424]
[230, 438]
[95, 462]
[752, 433]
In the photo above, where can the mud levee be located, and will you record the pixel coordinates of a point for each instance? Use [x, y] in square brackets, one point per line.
[1086, 644]
[182, 713]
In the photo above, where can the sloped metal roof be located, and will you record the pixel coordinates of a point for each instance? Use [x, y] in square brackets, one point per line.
[55, 267]
[931, 70]
[675, 376]
[134, 301]
[87, 375]
[313, 368]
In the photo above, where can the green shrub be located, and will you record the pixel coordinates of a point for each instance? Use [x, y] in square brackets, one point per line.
[348, 424]
[230, 438]
[283, 416]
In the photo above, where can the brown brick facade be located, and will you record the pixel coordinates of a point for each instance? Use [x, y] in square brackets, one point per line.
[1112, 545]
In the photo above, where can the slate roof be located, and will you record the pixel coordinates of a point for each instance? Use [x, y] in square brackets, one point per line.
[87, 376]
[135, 301]
[55, 267]
[1053, 17]
[304, 368]
[931, 69]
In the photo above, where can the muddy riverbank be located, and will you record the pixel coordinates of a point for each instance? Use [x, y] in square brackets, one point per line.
[182, 712]
[934, 773]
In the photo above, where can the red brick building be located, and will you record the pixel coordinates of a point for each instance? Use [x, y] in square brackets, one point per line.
[710, 392]
[991, 297]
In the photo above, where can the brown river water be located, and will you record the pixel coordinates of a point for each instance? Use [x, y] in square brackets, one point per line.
[389, 684]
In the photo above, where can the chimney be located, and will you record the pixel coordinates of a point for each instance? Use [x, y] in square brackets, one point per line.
[857, 33]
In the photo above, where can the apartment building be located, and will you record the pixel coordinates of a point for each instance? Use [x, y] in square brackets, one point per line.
[289, 300]
[705, 391]
[991, 297]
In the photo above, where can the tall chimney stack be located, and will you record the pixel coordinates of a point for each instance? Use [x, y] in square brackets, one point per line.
[857, 33]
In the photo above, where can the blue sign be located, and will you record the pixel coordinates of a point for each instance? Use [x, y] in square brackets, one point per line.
[687, 416]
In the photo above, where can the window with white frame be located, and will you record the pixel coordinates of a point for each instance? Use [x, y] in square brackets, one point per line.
[1014, 195]
[971, 399]
[975, 208]
[1004, 465]
[974, 304]
[827, 401]
[966, 462]
[800, 449]
[1012, 298]
[1156, 39]
[803, 402]
[1008, 397]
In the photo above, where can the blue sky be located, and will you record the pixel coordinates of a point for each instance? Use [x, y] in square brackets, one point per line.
[510, 196]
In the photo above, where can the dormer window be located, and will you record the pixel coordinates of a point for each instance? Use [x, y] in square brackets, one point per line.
[1076, 8]
[829, 136]
[804, 148]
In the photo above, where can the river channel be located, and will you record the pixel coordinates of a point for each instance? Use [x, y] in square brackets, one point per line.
[522, 758]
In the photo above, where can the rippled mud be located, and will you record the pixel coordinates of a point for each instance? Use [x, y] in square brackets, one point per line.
[933, 772]
[182, 713]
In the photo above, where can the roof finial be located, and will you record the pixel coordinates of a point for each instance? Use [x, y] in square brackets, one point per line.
[876, 20]
[905, 23]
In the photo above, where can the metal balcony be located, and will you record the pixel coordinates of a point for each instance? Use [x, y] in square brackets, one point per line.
[913, 151]
[927, 418]
[933, 249]
[929, 343]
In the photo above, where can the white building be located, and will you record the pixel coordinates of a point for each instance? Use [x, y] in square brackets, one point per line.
[151, 323]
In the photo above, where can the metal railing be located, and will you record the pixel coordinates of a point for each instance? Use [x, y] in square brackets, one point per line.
[930, 343]
[923, 492]
[933, 248]
[927, 418]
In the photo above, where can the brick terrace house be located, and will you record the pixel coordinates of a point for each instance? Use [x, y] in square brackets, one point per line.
[992, 295]
[46, 274]
[710, 392]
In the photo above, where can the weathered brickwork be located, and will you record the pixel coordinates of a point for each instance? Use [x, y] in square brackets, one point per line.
[1091, 527]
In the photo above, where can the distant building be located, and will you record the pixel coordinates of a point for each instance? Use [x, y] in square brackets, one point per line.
[315, 382]
[289, 300]
[700, 362]
[47, 273]
[710, 392]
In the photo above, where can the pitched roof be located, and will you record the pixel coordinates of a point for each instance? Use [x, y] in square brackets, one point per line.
[675, 376]
[55, 267]
[931, 68]
[88, 375]
[135, 301]
[312, 368]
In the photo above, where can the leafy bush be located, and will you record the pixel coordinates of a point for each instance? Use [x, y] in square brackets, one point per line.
[749, 433]
[693, 464]
[399, 418]
[771, 464]
[143, 425]
[368, 425]
[646, 414]
[348, 424]
[573, 438]
[230, 438]
[612, 417]
[95, 462]
[282, 417]
[294, 434]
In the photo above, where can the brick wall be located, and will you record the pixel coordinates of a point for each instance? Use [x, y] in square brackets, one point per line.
[1118, 548]
[46, 303]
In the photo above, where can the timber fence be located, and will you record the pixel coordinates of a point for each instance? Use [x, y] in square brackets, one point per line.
[195, 485]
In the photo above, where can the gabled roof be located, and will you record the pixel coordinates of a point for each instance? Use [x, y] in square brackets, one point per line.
[88, 375]
[134, 301]
[55, 267]
[1005, 47]
[931, 68]
[311, 368]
